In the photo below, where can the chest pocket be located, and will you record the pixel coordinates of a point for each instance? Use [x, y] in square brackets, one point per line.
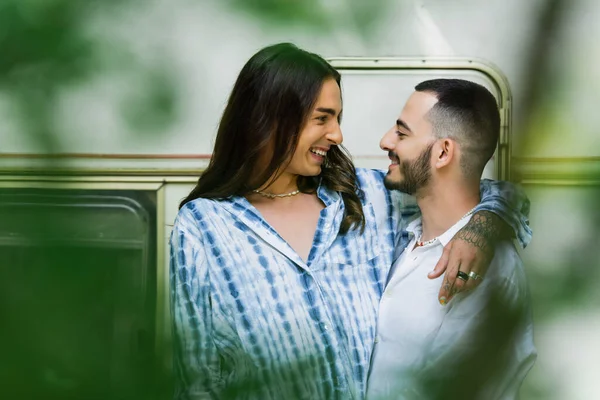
[354, 247]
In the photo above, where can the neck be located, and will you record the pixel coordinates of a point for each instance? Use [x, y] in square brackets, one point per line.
[286, 183]
[444, 203]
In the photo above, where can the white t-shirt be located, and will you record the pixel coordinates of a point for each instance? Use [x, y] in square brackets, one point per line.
[421, 345]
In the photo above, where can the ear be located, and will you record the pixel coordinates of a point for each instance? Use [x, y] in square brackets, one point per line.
[446, 151]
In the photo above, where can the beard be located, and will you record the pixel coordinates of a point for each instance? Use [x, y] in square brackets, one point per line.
[416, 174]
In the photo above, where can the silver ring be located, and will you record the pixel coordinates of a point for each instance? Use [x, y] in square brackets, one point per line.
[474, 275]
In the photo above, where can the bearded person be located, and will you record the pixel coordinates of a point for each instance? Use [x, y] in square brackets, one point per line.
[480, 345]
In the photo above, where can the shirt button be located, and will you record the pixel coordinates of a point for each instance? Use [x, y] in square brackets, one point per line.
[325, 326]
[388, 293]
[376, 339]
[327, 226]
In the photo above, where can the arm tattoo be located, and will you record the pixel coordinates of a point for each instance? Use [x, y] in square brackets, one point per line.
[483, 231]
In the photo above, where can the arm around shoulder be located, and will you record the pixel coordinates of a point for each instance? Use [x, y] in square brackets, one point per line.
[510, 203]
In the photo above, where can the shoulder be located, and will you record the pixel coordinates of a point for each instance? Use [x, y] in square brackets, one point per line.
[371, 181]
[195, 215]
[504, 280]
[196, 231]
[507, 273]
[368, 176]
[507, 261]
[191, 211]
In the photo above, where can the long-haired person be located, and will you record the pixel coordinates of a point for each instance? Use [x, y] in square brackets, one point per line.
[280, 254]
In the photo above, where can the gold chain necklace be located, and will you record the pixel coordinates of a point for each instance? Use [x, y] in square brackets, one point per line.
[274, 196]
[420, 244]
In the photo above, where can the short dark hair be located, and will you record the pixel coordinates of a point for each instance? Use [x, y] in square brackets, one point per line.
[269, 105]
[468, 113]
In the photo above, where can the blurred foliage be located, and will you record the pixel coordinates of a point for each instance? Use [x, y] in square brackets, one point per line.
[320, 14]
[41, 51]
[76, 311]
[46, 48]
[564, 284]
[305, 12]
[538, 71]
[153, 108]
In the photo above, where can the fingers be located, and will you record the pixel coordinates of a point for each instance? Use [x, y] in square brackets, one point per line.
[460, 281]
[472, 282]
[441, 265]
[456, 260]
[447, 291]
[459, 255]
[476, 270]
[466, 279]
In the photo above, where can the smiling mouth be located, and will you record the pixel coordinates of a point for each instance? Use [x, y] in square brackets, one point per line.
[319, 152]
[393, 158]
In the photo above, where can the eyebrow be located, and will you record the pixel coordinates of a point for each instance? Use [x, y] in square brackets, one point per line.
[330, 111]
[403, 124]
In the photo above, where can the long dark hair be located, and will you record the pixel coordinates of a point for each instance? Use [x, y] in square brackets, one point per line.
[267, 109]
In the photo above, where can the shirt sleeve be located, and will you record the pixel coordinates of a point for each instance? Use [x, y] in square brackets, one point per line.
[510, 203]
[485, 342]
[393, 209]
[195, 356]
[396, 210]
[404, 210]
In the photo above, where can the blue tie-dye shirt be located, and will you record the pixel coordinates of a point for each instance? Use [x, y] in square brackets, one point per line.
[253, 320]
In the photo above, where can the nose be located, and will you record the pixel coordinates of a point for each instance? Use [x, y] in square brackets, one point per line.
[335, 135]
[388, 141]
